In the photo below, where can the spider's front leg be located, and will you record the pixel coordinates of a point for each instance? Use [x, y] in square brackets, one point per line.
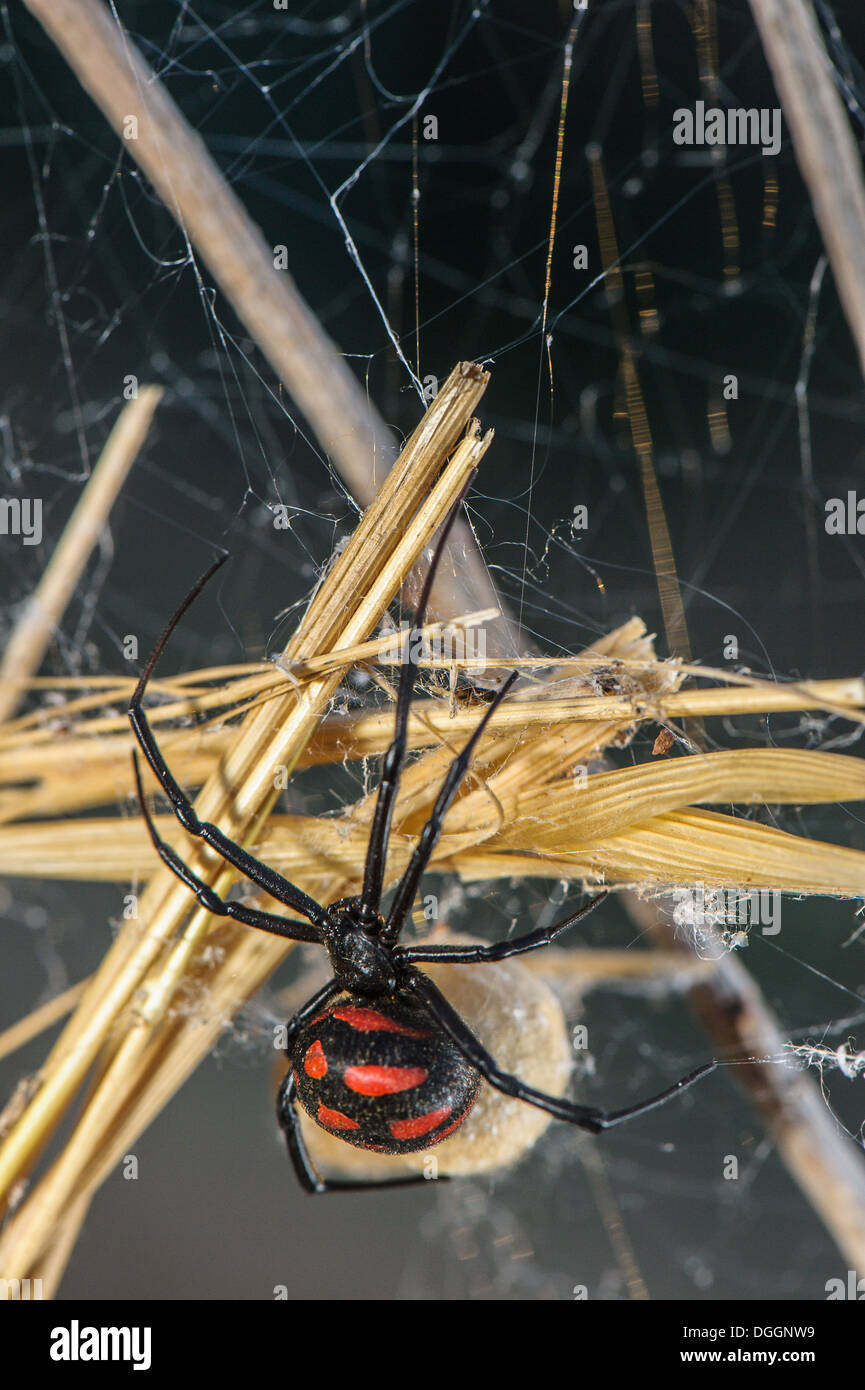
[207, 897]
[260, 874]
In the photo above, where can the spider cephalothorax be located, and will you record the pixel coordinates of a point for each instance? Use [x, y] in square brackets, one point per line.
[358, 955]
[378, 1056]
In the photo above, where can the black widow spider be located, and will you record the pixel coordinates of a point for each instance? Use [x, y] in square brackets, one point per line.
[378, 1056]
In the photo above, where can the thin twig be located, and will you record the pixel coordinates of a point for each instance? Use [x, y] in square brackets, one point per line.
[825, 149]
[39, 1019]
[44, 609]
[823, 1160]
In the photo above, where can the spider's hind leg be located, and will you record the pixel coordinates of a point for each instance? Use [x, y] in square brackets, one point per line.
[587, 1117]
[307, 1174]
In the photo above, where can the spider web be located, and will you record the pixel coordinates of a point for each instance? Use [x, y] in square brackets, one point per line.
[416, 245]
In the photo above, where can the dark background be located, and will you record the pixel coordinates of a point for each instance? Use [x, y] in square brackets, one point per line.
[89, 255]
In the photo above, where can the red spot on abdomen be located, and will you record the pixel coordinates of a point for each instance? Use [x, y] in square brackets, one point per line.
[422, 1124]
[371, 1021]
[334, 1119]
[315, 1062]
[450, 1129]
[383, 1081]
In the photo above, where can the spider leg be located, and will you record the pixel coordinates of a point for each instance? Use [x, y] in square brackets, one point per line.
[252, 917]
[376, 854]
[499, 950]
[428, 838]
[289, 1122]
[263, 877]
[585, 1116]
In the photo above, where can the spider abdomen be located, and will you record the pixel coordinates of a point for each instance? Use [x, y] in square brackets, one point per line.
[381, 1075]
